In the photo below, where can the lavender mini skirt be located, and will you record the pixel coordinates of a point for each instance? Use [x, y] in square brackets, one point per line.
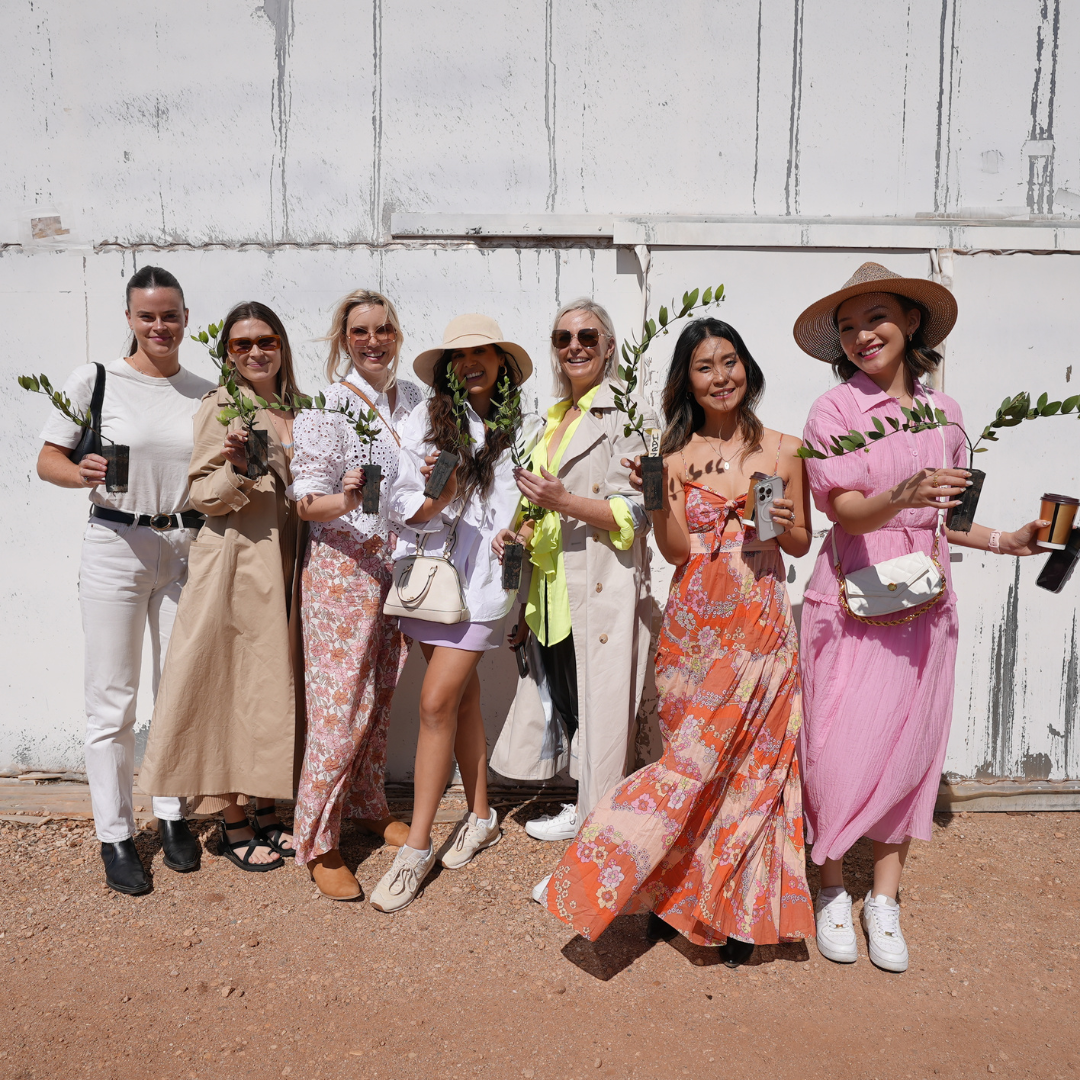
[468, 636]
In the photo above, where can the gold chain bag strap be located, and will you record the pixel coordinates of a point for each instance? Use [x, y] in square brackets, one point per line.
[428, 587]
[912, 583]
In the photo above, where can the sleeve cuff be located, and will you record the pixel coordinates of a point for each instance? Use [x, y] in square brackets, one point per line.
[622, 539]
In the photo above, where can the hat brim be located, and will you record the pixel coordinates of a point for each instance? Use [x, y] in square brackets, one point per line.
[424, 364]
[815, 329]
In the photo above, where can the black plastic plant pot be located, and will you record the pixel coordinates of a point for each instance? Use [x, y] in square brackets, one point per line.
[652, 481]
[513, 553]
[961, 518]
[440, 473]
[258, 453]
[116, 471]
[1060, 566]
[369, 501]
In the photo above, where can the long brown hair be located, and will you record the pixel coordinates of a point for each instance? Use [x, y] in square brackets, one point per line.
[252, 309]
[477, 469]
[683, 415]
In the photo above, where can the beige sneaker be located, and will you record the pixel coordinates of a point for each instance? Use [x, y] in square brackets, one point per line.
[470, 836]
[400, 885]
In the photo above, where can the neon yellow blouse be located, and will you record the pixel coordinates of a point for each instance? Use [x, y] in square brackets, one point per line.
[547, 611]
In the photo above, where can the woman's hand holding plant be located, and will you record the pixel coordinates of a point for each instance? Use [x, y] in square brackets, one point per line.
[545, 490]
[936, 488]
[352, 487]
[92, 470]
[508, 536]
[235, 450]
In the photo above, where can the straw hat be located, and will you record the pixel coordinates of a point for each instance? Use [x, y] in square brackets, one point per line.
[466, 332]
[815, 329]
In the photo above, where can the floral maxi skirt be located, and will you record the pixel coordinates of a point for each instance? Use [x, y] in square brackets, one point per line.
[354, 656]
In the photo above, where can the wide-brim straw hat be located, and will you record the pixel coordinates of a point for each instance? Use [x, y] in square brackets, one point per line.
[815, 329]
[466, 332]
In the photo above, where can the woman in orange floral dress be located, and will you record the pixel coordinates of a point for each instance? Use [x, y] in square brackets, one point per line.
[710, 838]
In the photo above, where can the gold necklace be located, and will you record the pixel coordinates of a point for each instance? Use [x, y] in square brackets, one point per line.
[725, 463]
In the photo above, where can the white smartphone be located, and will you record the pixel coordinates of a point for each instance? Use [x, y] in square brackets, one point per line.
[766, 491]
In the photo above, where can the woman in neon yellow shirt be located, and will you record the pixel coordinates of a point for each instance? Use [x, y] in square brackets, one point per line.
[588, 609]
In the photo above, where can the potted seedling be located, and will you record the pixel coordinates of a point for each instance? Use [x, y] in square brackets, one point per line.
[116, 455]
[652, 464]
[508, 419]
[922, 416]
[447, 460]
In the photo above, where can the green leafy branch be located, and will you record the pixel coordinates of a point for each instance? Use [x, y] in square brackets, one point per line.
[210, 339]
[507, 419]
[39, 384]
[460, 394]
[922, 416]
[633, 351]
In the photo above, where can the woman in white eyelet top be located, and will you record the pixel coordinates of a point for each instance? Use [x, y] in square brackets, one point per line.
[353, 654]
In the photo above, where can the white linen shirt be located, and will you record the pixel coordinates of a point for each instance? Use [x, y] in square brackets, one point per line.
[325, 447]
[481, 574]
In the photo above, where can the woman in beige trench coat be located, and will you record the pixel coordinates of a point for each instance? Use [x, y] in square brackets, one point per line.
[605, 564]
[229, 712]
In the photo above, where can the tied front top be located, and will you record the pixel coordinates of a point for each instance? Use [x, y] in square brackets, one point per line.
[889, 462]
[547, 611]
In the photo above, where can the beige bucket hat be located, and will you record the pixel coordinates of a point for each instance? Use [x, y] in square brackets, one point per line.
[466, 332]
[815, 329]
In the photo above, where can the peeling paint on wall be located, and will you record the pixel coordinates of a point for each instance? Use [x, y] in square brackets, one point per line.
[280, 15]
[1040, 187]
[1003, 667]
[791, 183]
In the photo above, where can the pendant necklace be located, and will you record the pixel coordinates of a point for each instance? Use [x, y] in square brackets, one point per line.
[725, 463]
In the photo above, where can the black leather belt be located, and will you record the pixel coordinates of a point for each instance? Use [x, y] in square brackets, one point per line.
[189, 519]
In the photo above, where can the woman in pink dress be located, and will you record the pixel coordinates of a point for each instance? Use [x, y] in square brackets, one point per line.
[879, 697]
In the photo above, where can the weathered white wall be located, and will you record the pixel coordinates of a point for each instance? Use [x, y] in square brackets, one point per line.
[506, 156]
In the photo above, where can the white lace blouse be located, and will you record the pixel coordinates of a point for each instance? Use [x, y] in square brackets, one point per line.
[325, 447]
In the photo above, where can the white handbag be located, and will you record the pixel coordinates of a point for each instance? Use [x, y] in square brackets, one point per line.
[428, 587]
[912, 583]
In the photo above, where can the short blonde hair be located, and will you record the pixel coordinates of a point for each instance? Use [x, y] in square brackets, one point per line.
[583, 303]
[339, 342]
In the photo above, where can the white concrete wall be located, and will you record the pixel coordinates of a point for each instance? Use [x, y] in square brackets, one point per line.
[505, 157]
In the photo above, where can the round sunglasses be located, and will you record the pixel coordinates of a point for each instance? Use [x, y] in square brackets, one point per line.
[587, 339]
[239, 346]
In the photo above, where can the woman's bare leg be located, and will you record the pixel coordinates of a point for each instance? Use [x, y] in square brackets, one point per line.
[448, 675]
[888, 866]
[243, 831]
[832, 874]
[470, 748]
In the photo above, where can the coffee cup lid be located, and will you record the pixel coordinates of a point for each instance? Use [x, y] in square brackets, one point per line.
[1064, 500]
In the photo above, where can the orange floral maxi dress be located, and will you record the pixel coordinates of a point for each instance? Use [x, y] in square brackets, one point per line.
[710, 837]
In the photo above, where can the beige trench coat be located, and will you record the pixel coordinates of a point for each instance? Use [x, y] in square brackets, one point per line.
[610, 611]
[229, 713]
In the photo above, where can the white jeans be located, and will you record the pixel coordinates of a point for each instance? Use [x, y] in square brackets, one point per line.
[130, 575]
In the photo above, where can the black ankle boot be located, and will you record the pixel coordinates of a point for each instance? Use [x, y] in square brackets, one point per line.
[658, 930]
[123, 868]
[181, 850]
[734, 952]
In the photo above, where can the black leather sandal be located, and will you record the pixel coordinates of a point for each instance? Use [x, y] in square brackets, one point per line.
[272, 834]
[734, 953]
[230, 849]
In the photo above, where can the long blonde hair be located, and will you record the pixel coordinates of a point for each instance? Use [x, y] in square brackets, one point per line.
[339, 342]
[583, 303]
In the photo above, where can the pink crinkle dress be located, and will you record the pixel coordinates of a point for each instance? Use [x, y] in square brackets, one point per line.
[878, 700]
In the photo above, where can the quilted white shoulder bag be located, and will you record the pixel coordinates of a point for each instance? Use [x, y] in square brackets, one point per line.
[428, 587]
[913, 583]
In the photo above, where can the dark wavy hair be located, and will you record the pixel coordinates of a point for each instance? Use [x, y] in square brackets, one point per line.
[919, 358]
[477, 469]
[252, 309]
[682, 414]
[149, 277]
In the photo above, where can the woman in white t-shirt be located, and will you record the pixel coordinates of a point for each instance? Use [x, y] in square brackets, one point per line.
[134, 555]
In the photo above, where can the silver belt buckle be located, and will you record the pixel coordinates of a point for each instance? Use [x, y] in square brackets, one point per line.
[161, 522]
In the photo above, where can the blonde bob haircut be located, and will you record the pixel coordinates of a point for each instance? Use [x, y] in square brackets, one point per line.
[583, 303]
[339, 360]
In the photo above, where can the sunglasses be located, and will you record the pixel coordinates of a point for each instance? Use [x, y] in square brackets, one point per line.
[239, 346]
[383, 333]
[587, 339]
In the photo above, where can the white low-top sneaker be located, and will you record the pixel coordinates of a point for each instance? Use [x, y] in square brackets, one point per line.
[539, 893]
[470, 836]
[400, 885]
[560, 826]
[881, 918]
[835, 929]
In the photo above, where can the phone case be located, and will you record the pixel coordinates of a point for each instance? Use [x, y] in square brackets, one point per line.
[765, 491]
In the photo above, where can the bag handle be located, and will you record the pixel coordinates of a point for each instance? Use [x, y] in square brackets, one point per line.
[451, 536]
[371, 405]
[98, 398]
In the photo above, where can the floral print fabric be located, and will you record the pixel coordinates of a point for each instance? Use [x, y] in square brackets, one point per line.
[710, 837]
[354, 656]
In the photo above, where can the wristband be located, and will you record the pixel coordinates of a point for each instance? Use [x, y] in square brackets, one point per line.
[994, 541]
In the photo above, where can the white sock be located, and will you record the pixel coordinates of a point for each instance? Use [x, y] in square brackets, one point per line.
[831, 893]
[422, 852]
[490, 820]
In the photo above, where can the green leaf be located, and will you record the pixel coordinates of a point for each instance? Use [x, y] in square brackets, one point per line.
[894, 422]
[693, 298]
[878, 425]
[1043, 399]
[1069, 404]
[857, 437]
[1050, 408]
[940, 416]
[909, 414]
[875, 435]
[663, 316]
[980, 449]
[204, 337]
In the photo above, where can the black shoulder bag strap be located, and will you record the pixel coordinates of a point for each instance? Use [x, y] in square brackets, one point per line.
[90, 440]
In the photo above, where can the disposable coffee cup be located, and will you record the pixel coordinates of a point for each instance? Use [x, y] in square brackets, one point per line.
[1060, 511]
[258, 453]
[369, 499]
[117, 457]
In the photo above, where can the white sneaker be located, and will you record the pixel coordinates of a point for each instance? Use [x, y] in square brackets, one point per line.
[400, 885]
[539, 893]
[881, 918]
[835, 930]
[470, 836]
[560, 826]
